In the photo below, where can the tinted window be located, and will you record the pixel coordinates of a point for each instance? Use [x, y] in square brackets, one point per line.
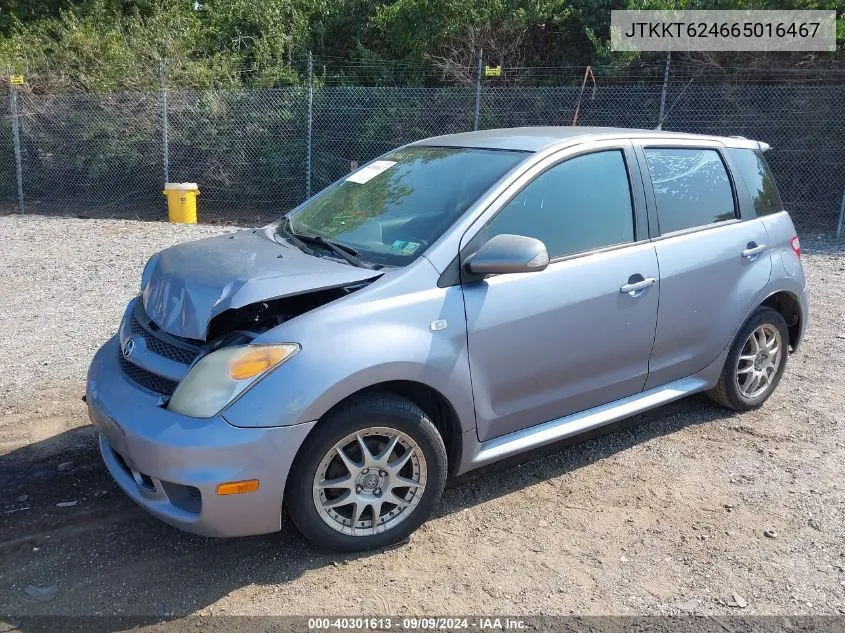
[691, 186]
[578, 205]
[758, 179]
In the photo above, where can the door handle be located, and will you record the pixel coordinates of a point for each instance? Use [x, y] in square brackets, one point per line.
[753, 251]
[631, 288]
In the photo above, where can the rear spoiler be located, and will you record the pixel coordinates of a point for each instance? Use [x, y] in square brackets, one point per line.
[763, 147]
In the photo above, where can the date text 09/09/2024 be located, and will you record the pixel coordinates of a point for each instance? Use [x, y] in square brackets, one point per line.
[492, 623]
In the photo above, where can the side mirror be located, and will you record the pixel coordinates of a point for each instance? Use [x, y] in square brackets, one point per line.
[509, 254]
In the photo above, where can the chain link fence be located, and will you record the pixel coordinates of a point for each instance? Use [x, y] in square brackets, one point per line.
[245, 149]
[8, 161]
[799, 122]
[91, 154]
[256, 153]
[356, 124]
[8, 184]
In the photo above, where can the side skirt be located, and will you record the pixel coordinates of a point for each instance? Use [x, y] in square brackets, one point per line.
[577, 423]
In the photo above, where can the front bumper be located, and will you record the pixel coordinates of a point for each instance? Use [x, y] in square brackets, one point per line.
[171, 464]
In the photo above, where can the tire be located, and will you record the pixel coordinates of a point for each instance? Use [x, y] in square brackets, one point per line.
[376, 418]
[735, 389]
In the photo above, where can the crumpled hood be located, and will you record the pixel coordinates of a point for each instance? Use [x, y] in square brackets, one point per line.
[185, 286]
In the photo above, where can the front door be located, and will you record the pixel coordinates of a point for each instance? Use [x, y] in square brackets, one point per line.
[579, 334]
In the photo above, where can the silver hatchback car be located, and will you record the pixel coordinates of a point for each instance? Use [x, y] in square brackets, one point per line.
[459, 300]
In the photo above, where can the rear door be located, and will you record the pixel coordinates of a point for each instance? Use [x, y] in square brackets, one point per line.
[546, 344]
[713, 264]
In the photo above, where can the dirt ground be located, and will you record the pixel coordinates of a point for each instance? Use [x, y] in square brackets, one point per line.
[687, 509]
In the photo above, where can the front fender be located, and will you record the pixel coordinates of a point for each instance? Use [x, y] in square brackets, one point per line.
[360, 342]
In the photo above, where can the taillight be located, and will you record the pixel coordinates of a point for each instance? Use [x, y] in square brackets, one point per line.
[796, 245]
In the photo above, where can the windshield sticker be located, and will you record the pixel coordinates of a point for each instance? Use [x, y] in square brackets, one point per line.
[371, 171]
[403, 247]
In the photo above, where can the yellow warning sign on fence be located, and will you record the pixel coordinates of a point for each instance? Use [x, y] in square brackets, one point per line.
[492, 71]
[16, 80]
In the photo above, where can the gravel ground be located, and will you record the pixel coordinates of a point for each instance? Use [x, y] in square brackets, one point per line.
[66, 284]
[668, 515]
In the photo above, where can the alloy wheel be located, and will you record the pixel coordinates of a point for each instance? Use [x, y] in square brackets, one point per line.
[759, 361]
[370, 481]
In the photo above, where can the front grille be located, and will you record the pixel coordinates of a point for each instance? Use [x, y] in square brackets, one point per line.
[135, 326]
[159, 346]
[147, 379]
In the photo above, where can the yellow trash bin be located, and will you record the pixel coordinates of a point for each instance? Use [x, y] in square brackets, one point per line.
[181, 201]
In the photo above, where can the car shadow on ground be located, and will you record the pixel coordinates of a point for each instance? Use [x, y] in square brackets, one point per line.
[64, 521]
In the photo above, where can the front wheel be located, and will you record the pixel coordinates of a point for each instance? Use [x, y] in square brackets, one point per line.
[368, 475]
[755, 362]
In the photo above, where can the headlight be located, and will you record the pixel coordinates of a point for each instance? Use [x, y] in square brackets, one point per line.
[220, 377]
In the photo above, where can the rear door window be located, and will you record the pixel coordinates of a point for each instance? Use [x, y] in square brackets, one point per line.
[758, 179]
[691, 187]
[578, 205]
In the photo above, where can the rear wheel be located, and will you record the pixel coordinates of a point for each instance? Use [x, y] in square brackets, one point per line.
[368, 475]
[755, 362]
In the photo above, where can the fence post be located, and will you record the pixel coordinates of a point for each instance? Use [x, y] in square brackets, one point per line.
[16, 136]
[310, 125]
[164, 125]
[478, 89]
[663, 94]
[840, 227]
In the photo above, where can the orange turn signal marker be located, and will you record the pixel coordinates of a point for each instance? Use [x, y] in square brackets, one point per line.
[256, 360]
[237, 487]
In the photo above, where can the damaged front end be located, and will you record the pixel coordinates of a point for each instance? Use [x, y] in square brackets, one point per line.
[257, 318]
[219, 293]
[185, 287]
[158, 361]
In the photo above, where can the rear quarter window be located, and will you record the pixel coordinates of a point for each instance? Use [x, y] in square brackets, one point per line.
[691, 187]
[758, 179]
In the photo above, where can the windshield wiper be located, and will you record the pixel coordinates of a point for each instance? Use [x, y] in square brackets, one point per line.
[285, 230]
[344, 252]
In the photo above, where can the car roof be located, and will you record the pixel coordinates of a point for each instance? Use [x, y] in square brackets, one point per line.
[534, 139]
